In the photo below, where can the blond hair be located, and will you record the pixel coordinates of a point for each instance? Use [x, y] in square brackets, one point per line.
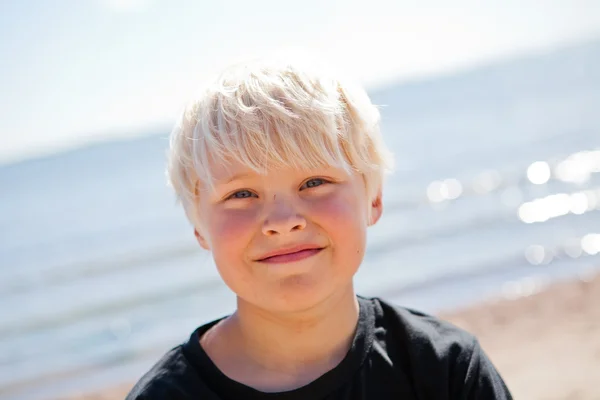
[276, 114]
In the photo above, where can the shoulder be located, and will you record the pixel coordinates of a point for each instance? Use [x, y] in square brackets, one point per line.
[169, 378]
[423, 331]
[178, 375]
[437, 354]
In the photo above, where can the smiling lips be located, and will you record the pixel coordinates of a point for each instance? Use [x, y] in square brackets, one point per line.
[290, 255]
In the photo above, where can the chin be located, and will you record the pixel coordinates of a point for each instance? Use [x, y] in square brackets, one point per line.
[296, 295]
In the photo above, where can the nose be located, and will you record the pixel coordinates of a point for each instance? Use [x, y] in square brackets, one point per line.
[283, 219]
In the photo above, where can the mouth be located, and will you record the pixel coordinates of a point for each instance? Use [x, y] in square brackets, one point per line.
[290, 255]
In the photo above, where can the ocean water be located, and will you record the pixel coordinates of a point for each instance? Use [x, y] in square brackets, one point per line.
[496, 192]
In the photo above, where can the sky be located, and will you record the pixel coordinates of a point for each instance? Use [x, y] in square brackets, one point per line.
[74, 71]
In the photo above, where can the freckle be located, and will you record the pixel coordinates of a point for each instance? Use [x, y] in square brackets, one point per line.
[274, 196]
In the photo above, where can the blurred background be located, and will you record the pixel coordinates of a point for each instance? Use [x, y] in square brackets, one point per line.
[491, 108]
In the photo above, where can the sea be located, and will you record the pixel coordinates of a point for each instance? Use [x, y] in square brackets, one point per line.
[496, 194]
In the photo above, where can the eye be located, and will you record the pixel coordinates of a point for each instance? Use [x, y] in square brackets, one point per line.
[314, 182]
[241, 194]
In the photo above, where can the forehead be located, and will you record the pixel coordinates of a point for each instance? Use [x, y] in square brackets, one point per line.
[224, 172]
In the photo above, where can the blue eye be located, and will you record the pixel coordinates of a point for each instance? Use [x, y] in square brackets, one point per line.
[242, 194]
[311, 183]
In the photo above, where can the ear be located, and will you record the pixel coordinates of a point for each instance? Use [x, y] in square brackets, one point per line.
[201, 240]
[376, 208]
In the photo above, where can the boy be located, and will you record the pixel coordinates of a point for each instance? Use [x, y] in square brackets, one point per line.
[280, 169]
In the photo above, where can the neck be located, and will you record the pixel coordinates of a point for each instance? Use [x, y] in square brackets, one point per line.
[322, 334]
[297, 348]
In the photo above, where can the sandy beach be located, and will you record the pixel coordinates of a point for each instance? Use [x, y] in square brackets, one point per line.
[545, 344]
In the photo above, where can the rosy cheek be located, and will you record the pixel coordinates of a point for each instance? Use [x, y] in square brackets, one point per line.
[232, 224]
[338, 209]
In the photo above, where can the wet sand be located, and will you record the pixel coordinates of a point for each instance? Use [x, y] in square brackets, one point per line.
[546, 345]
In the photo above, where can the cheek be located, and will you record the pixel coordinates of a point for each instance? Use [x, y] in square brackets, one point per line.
[231, 232]
[231, 227]
[343, 219]
[342, 214]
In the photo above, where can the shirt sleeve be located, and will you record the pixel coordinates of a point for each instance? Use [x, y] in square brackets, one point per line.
[482, 380]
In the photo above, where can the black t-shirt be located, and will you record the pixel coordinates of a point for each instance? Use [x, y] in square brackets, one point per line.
[396, 353]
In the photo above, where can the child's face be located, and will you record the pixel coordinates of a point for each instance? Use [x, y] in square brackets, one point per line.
[249, 216]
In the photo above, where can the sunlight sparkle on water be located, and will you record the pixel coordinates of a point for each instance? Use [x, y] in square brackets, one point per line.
[587, 245]
[573, 248]
[557, 205]
[537, 254]
[591, 243]
[449, 189]
[487, 181]
[538, 173]
[578, 167]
